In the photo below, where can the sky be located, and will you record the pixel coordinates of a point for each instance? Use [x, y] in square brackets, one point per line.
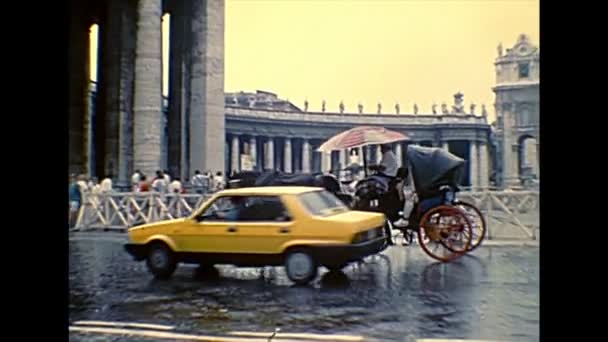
[364, 51]
[402, 51]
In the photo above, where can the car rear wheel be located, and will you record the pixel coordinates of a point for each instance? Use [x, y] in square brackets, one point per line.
[161, 261]
[300, 266]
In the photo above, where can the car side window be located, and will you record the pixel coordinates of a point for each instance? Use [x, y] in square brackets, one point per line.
[222, 209]
[246, 209]
[264, 208]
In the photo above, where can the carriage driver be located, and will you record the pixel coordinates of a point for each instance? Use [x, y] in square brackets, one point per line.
[389, 161]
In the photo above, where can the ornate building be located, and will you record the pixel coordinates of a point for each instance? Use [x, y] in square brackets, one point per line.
[517, 112]
[287, 139]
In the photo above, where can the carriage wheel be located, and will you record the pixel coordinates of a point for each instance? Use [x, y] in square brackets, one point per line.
[478, 223]
[444, 233]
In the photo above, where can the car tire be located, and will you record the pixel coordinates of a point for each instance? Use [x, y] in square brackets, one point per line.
[300, 266]
[161, 261]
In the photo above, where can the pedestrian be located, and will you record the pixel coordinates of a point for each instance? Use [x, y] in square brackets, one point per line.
[135, 178]
[82, 182]
[175, 187]
[144, 186]
[75, 200]
[197, 182]
[218, 181]
[106, 184]
[159, 184]
[167, 177]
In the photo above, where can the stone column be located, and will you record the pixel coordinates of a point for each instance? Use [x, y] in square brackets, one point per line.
[399, 154]
[147, 103]
[111, 68]
[183, 8]
[177, 39]
[378, 154]
[287, 162]
[306, 153]
[253, 148]
[78, 114]
[236, 155]
[474, 164]
[509, 153]
[484, 175]
[269, 164]
[343, 155]
[207, 122]
[325, 162]
[446, 146]
[125, 110]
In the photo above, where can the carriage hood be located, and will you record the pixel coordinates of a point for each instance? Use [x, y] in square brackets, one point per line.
[432, 167]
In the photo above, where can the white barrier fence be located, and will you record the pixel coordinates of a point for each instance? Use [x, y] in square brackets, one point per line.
[123, 210]
[517, 210]
[507, 211]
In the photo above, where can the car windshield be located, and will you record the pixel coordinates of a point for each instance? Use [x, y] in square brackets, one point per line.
[322, 203]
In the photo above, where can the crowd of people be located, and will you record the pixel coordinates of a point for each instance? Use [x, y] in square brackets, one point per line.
[200, 183]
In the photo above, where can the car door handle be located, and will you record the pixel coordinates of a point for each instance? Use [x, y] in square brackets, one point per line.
[284, 230]
[232, 230]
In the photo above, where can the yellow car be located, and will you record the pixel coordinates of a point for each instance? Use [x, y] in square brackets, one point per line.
[301, 228]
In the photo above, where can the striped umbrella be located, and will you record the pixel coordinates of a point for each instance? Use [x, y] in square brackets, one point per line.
[361, 136]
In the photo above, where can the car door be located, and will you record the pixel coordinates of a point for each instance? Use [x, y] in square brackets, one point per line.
[264, 226]
[209, 232]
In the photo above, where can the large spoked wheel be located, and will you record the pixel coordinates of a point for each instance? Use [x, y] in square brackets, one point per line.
[478, 223]
[161, 261]
[300, 266]
[444, 233]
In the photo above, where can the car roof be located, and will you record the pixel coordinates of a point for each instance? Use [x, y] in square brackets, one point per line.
[270, 190]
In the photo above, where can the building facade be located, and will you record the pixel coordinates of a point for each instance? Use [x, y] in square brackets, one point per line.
[122, 122]
[287, 140]
[517, 112]
[126, 126]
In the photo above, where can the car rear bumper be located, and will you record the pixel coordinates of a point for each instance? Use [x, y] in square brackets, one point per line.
[137, 251]
[336, 255]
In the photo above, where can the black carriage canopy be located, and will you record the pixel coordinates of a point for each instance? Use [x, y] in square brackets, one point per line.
[433, 167]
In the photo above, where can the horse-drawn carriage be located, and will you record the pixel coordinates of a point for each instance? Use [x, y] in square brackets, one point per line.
[445, 227]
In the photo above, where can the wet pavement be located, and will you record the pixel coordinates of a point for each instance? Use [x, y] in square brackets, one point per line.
[402, 295]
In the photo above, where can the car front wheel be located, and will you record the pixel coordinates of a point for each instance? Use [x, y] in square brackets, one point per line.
[161, 261]
[300, 266]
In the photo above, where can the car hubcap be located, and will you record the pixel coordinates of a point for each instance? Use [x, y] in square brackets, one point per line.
[158, 259]
[299, 265]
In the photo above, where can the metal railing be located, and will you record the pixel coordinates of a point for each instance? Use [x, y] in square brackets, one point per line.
[119, 211]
